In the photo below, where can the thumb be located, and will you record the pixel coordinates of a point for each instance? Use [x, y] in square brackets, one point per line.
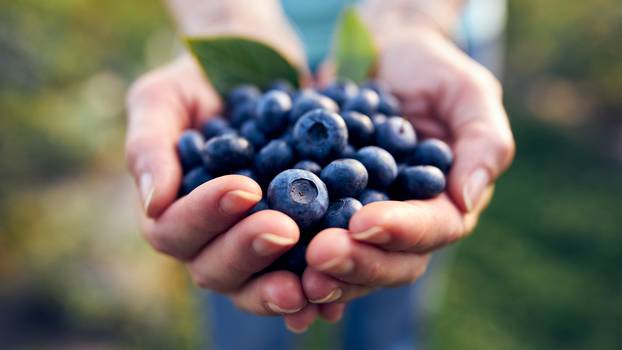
[483, 143]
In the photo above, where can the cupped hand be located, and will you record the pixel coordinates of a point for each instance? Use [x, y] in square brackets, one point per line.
[207, 229]
[445, 95]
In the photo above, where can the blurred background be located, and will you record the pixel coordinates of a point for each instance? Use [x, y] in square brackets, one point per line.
[543, 270]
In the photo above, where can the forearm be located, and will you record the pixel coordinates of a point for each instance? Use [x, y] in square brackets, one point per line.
[262, 20]
[199, 17]
[442, 15]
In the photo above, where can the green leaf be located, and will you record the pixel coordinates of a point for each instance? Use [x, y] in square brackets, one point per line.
[229, 61]
[354, 50]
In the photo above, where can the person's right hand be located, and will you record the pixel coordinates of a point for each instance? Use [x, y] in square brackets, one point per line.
[207, 229]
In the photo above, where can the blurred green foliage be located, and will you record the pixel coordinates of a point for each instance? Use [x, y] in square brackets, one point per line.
[542, 271]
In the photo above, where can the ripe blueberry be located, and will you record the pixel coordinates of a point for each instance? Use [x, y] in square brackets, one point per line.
[348, 152]
[340, 211]
[248, 173]
[292, 260]
[433, 152]
[226, 154]
[272, 111]
[397, 136]
[378, 119]
[251, 131]
[189, 148]
[309, 165]
[344, 178]
[360, 128]
[282, 85]
[300, 194]
[366, 102]
[320, 135]
[341, 91]
[242, 93]
[309, 101]
[193, 179]
[389, 105]
[243, 112]
[419, 182]
[370, 196]
[380, 165]
[273, 158]
[215, 127]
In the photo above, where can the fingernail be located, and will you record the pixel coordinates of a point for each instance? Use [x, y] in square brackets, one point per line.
[477, 182]
[145, 184]
[296, 330]
[332, 296]
[268, 244]
[338, 265]
[238, 201]
[279, 310]
[376, 235]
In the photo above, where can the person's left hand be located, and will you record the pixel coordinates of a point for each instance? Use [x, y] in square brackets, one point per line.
[446, 95]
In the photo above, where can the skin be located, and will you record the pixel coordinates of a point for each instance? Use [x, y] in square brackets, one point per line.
[445, 94]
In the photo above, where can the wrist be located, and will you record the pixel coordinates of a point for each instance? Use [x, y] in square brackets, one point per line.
[391, 19]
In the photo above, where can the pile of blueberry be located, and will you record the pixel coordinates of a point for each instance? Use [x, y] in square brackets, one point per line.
[319, 156]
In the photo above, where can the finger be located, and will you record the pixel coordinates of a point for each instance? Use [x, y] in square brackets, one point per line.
[301, 321]
[332, 312]
[275, 293]
[196, 218]
[334, 253]
[325, 74]
[413, 226]
[156, 118]
[247, 248]
[159, 108]
[323, 289]
[482, 139]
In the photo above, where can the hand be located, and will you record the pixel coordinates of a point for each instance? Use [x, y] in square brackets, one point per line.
[207, 229]
[446, 95]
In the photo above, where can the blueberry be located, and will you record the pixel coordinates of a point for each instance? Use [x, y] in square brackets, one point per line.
[370, 196]
[275, 157]
[419, 182]
[320, 135]
[397, 136]
[389, 105]
[193, 179]
[340, 211]
[189, 148]
[248, 173]
[226, 154]
[251, 131]
[366, 102]
[380, 165]
[433, 152]
[241, 94]
[360, 128]
[243, 112]
[288, 137]
[310, 101]
[272, 111]
[300, 194]
[261, 205]
[292, 260]
[215, 127]
[378, 119]
[348, 152]
[340, 91]
[344, 178]
[376, 85]
[309, 165]
[282, 85]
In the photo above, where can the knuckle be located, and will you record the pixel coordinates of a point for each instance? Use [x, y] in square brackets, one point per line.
[159, 242]
[506, 148]
[145, 88]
